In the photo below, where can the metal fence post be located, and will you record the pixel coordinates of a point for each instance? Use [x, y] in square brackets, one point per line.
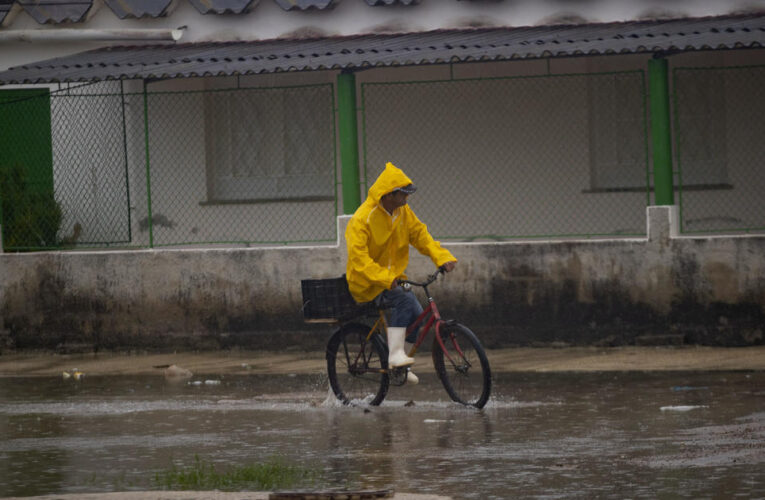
[148, 169]
[664, 193]
[349, 140]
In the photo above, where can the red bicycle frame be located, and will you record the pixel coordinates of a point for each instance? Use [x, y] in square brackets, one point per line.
[433, 316]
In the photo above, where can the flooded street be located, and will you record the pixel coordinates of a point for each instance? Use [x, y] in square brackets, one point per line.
[555, 435]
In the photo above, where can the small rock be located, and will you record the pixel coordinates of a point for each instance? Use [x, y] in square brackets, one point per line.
[175, 372]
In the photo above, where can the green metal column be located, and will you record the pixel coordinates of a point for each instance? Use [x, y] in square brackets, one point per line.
[349, 141]
[664, 193]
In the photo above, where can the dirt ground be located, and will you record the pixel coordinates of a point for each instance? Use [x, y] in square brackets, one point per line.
[502, 360]
[208, 495]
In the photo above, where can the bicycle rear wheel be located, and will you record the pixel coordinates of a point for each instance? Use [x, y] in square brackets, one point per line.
[462, 367]
[357, 367]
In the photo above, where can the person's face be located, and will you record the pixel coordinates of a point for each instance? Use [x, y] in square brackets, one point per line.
[399, 198]
[392, 201]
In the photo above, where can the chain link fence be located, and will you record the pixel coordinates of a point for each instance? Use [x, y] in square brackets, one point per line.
[112, 165]
[719, 126]
[516, 157]
[90, 166]
[147, 169]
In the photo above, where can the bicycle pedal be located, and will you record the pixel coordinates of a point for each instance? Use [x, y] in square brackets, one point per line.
[398, 375]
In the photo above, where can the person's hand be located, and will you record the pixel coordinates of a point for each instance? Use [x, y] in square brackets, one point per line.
[449, 266]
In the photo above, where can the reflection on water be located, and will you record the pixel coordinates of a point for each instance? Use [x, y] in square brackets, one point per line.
[543, 435]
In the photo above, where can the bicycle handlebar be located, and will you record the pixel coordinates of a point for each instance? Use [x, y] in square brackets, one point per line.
[431, 278]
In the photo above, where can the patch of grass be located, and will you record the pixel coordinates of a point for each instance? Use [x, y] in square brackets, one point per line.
[272, 474]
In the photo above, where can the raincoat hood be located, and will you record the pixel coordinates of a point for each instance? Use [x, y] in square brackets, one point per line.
[390, 179]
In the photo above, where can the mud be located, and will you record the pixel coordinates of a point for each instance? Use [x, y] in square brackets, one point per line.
[198, 495]
[570, 359]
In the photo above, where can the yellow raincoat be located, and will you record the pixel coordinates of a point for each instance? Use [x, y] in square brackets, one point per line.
[378, 242]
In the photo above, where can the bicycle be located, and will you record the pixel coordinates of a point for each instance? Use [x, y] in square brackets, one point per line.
[357, 357]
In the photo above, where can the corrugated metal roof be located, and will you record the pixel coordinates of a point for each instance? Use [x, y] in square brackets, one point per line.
[223, 6]
[304, 4]
[375, 3]
[56, 11]
[362, 51]
[138, 8]
[63, 11]
[5, 7]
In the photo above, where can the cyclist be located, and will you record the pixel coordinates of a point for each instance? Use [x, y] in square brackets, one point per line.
[378, 238]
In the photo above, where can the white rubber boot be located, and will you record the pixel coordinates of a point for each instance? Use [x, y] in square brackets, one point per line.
[396, 355]
[411, 378]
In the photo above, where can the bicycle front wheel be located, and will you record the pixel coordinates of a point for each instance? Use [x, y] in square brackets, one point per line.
[461, 365]
[357, 367]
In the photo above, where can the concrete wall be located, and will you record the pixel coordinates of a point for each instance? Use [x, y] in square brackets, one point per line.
[608, 292]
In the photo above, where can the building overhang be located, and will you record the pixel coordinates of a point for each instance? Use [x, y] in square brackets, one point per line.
[357, 52]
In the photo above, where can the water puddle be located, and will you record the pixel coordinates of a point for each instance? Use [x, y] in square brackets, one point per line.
[638, 435]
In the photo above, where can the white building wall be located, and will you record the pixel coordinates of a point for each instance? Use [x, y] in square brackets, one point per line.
[740, 206]
[473, 170]
[494, 164]
[177, 162]
[175, 179]
[89, 164]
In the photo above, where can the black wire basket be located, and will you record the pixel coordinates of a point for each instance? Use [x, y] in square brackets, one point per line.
[329, 300]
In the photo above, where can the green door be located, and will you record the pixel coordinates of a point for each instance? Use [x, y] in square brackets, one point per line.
[30, 215]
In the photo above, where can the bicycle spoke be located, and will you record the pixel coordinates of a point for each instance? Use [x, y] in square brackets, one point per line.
[356, 365]
[462, 366]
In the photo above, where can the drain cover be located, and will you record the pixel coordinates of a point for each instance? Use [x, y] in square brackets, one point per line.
[330, 495]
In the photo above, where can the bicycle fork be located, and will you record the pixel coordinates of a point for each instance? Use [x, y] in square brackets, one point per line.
[465, 365]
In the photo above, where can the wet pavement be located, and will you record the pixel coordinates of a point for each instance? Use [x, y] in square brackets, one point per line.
[543, 435]
[225, 495]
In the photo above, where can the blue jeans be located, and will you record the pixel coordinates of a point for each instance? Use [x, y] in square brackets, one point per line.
[403, 309]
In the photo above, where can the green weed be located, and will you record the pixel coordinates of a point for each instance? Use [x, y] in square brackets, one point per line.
[270, 475]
